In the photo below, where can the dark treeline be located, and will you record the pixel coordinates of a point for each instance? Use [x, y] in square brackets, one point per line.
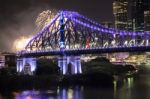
[98, 65]
[98, 71]
[103, 65]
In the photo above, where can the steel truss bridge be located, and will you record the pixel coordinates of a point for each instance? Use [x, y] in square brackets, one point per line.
[70, 35]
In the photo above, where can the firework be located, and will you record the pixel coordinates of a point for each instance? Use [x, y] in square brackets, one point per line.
[44, 18]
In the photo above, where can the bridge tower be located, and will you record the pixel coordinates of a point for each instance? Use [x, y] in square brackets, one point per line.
[67, 64]
[62, 35]
[70, 65]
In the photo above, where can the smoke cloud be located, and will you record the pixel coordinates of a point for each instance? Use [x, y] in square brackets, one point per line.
[20, 22]
[17, 17]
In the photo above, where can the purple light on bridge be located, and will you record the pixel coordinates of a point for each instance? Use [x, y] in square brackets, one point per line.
[75, 17]
[43, 30]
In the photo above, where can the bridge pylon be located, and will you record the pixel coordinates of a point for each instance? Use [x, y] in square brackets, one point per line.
[70, 65]
[26, 65]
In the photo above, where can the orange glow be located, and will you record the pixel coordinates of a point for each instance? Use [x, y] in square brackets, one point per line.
[20, 43]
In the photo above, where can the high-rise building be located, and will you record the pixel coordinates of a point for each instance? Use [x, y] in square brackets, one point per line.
[137, 14]
[131, 15]
[120, 14]
[130, 28]
[147, 20]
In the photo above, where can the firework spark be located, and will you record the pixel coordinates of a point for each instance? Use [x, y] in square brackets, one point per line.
[44, 18]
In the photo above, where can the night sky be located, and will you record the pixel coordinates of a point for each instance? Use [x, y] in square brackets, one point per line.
[17, 17]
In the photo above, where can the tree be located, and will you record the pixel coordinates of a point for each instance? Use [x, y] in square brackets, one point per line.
[46, 67]
[98, 65]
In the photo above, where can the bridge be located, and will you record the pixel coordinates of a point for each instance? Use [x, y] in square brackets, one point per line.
[70, 35]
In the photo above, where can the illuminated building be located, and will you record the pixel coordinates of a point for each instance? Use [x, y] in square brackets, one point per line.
[130, 27]
[120, 14]
[120, 11]
[131, 15]
[137, 13]
[147, 20]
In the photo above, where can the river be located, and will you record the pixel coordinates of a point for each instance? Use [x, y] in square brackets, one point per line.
[130, 88]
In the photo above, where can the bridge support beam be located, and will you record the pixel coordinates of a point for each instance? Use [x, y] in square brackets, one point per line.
[70, 65]
[26, 65]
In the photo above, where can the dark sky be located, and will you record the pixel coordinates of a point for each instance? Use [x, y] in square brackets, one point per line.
[17, 17]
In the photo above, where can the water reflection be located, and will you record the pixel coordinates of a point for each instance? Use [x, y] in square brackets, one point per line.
[71, 93]
[74, 92]
[123, 88]
[62, 93]
[34, 95]
[128, 88]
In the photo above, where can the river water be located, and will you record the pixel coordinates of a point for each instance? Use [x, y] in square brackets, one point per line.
[130, 88]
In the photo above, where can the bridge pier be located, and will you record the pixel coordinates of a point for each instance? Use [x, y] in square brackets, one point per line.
[70, 65]
[26, 65]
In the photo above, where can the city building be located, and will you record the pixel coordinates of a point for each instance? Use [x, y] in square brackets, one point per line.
[122, 22]
[131, 15]
[7, 60]
[120, 11]
[147, 20]
[137, 14]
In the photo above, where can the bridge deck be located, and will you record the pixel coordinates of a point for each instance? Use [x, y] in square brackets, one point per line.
[85, 51]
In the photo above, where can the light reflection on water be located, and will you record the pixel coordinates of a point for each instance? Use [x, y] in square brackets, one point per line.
[75, 92]
[34, 95]
[71, 93]
[124, 91]
[128, 88]
[61, 93]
